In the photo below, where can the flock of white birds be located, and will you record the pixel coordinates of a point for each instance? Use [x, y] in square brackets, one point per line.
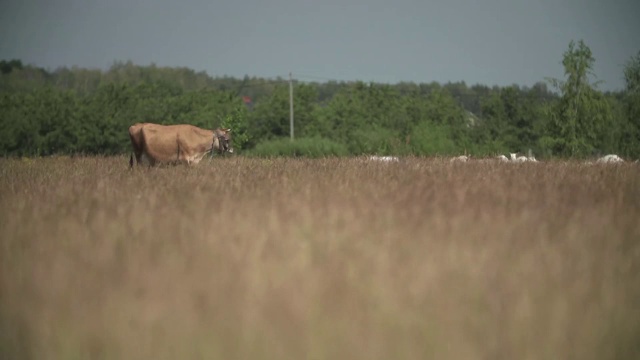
[514, 158]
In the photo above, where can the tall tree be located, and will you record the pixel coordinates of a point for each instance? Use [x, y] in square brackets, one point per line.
[582, 118]
[631, 137]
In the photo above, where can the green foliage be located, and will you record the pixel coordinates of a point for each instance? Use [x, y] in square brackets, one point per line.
[75, 110]
[376, 140]
[270, 118]
[429, 138]
[630, 114]
[8, 66]
[358, 108]
[237, 122]
[581, 118]
[49, 121]
[303, 147]
[512, 121]
[632, 74]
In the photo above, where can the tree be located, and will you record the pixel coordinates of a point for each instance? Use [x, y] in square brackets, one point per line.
[89, 110]
[440, 125]
[632, 75]
[271, 119]
[237, 122]
[580, 120]
[496, 126]
[631, 99]
[8, 66]
[368, 118]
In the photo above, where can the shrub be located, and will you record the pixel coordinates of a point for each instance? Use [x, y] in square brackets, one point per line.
[377, 140]
[432, 139]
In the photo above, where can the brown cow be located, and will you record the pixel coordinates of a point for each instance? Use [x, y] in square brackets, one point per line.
[176, 143]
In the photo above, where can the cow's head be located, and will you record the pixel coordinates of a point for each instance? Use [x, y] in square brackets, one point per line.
[224, 140]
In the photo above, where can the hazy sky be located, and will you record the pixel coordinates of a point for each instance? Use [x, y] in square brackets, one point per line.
[492, 42]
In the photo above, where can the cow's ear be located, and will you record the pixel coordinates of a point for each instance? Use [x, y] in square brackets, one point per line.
[227, 130]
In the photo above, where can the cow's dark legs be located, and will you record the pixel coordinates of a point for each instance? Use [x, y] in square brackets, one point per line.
[138, 156]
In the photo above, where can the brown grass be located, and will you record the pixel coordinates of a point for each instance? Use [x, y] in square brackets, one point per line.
[319, 259]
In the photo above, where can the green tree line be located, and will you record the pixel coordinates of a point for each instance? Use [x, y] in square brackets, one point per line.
[88, 111]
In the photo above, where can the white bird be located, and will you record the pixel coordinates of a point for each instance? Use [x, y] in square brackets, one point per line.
[516, 158]
[462, 158]
[611, 158]
[521, 159]
[384, 158]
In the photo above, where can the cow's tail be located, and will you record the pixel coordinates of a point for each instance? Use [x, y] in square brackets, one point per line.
[131, 161]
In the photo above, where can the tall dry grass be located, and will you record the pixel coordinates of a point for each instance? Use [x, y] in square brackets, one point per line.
[319, 259]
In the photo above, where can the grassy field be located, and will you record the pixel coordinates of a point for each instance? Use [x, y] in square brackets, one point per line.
[243, 258]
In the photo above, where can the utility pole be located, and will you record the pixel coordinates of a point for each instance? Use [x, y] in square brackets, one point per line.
[291, 105]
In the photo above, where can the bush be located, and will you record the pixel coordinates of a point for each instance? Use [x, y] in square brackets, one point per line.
[489, 148]
[377, 140]
[432, 139]
[304, 147]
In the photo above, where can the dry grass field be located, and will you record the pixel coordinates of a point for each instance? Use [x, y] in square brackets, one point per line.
[242, 258]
